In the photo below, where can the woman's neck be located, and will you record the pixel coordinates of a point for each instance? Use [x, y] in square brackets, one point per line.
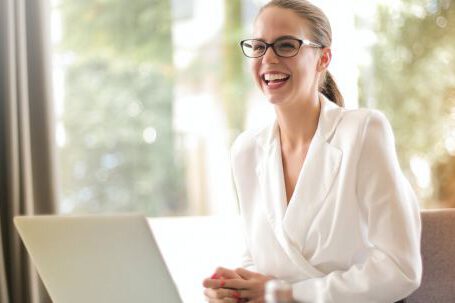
[298, 122]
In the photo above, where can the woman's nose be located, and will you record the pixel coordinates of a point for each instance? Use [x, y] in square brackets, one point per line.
[270, 56]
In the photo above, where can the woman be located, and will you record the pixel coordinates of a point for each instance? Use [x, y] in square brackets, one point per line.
[324, 203]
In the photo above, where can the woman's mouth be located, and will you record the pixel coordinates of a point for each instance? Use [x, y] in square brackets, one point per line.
[275, 80]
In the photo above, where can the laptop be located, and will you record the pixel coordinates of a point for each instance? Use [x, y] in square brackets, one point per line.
[98, 258]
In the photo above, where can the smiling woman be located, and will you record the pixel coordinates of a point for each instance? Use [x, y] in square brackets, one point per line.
[323, 200]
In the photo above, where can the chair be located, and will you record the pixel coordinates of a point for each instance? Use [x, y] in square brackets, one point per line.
[438, 256]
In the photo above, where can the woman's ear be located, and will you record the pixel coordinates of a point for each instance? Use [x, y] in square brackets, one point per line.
[324, 59]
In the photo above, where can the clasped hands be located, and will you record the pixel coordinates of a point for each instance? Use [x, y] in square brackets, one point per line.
[236, 286]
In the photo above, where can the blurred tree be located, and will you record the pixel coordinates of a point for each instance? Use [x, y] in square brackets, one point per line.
[445, 186]
[233, 75]
[220, 62]
[119, 153]
[414, 71]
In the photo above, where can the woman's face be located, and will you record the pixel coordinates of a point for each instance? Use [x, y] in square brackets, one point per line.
[299, 72]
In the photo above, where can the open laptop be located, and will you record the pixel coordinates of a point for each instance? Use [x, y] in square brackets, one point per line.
[98, 258]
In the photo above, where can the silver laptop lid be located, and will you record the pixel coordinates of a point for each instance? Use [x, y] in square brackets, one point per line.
[99, 259]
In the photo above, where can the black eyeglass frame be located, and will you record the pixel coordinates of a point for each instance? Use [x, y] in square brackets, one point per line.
[304, 42]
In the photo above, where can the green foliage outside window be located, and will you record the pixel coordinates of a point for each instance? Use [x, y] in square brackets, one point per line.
[118, 108]
[414, 84]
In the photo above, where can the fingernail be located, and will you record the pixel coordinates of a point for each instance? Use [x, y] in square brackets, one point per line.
[214, 276]
[222, 283]
[236, 295]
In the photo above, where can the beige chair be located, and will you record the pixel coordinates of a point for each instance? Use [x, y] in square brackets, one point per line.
[438, 254]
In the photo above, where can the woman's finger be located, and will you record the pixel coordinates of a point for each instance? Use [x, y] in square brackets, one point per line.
[226, 273]
[227, 300]
[209, 293]
[219, 293]
[230, 283]
[245, 274]
[247, 293]
[231, 294]
[212, 300]
[214, 283]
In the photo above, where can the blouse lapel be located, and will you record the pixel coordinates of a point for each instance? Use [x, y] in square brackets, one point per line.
[316, 177]
[290, 223]
[271, 179]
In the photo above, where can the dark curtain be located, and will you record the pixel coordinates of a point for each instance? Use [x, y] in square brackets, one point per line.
[27, 182]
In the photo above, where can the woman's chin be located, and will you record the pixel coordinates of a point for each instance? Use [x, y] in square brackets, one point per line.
[275, 100]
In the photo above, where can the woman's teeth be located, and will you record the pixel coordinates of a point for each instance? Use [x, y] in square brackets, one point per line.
[275, 78]
[271, 77]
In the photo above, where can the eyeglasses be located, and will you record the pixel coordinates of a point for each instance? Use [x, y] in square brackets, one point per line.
[283, 47]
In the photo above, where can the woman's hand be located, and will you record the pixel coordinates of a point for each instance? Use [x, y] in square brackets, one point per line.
[252, 285]
[215, 290]
[240, 285]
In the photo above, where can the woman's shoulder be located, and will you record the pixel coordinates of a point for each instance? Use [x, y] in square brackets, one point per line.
[362, 115]
[340, 121]
[249, 140]
[364, 118]
[365, 122]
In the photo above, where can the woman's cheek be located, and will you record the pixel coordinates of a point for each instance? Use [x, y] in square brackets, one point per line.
[254, 69]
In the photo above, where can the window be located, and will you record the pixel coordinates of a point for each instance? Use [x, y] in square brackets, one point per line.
[151, 94]
[410, 76]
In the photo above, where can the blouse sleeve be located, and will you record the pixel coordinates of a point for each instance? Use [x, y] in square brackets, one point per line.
[246, 259]
[391, 216]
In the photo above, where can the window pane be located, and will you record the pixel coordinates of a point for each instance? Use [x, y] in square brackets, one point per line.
[117, 148]
[411, 78]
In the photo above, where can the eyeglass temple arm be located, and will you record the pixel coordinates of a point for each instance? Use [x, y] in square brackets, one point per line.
[311, 43]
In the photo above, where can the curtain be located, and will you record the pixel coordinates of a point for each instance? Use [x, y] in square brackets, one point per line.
[27, 182]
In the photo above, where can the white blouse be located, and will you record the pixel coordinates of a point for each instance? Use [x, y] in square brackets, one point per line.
[351, 231]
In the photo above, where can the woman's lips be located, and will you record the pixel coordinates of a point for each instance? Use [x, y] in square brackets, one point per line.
[275, 84]
[275, 80]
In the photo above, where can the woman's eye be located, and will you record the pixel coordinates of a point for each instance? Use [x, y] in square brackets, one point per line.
[286, 46]
[258, 47]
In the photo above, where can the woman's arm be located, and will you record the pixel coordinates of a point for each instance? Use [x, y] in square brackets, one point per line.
[391, 217]
[247, 260]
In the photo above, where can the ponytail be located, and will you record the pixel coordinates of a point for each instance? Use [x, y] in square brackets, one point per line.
[330, 89]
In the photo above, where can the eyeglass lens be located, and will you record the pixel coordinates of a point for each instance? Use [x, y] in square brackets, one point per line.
[283, 48]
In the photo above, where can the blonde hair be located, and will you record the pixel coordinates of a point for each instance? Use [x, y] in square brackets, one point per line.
[321, 33]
